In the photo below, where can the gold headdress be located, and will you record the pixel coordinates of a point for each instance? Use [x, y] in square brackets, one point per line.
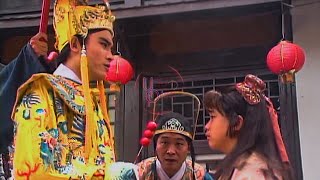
[72, 17]
[170, 121]
[167, 119]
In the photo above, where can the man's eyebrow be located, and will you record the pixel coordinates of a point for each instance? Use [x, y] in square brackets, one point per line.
[176, 139]
[106, 40]
[164, 137]
[180, 139]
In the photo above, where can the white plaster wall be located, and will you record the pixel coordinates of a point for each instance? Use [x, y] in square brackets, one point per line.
[306, 33]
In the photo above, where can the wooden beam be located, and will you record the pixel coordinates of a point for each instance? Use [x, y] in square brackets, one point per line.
[155, 7]
[132, 3]
[213, 34]
[131, 9]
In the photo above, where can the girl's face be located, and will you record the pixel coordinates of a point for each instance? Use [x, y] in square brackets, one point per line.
[216, 132]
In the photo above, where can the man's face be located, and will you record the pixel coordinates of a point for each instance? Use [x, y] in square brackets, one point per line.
[172, 150]
[99, 54]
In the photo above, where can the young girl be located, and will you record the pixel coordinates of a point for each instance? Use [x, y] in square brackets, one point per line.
[243, 124]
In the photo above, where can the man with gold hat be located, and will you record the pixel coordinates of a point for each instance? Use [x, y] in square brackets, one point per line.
[62, 130]
[172, 143]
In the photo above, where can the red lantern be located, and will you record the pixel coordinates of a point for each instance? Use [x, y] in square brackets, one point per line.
[285, 58]
[120, 71]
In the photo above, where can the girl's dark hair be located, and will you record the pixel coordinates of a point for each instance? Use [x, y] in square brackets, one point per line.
[256, 134]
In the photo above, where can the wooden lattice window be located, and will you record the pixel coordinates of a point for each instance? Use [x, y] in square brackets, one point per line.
[202, 84]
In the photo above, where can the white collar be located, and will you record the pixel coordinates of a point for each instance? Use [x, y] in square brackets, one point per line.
[66, 72]
[163, 176]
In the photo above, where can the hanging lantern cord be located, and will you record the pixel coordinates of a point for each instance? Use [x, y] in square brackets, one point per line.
[118, 49]
[282, 21]
[283, 5]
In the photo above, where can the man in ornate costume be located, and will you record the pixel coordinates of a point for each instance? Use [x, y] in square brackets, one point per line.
[12, 76]
[62, 130]
[172, 142]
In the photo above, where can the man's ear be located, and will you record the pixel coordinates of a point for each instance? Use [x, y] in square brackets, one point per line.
[239, 123]
[75, 45]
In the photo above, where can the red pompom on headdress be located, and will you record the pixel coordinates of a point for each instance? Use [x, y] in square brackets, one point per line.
[251, 89]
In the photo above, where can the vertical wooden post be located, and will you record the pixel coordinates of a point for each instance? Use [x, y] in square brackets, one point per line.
[288, 105]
